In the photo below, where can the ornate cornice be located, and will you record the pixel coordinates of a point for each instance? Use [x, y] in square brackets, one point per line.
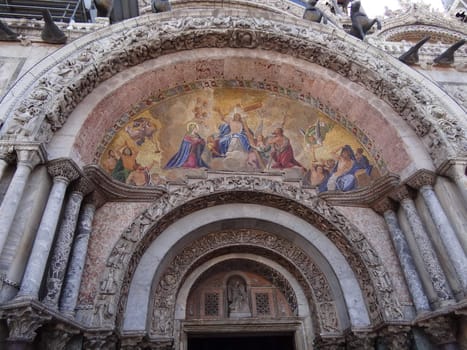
[114, 190]
[41, 106]
[363, 197]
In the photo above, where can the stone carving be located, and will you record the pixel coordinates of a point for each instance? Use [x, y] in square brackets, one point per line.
[99, 340]
[63, 168]
[23, 322]
[329, 319]
[245, 189]
[421, 178]
[166, 290]
[237, 297]
[152, 39]
[441, 330]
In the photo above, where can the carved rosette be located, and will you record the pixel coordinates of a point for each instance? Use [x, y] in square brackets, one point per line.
[64, 169]
[41, 110]
[127, 252]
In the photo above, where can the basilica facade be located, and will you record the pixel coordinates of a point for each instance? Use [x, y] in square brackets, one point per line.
[232, 174]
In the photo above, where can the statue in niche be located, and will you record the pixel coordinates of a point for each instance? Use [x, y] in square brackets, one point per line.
[237, 297]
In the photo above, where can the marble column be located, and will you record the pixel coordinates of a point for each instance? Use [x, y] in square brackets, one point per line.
[63, 243]
[28, 157]
[63, 172]
[424, 182]
[455, 170]
[74, 273]
[404, 195]
[386, 208]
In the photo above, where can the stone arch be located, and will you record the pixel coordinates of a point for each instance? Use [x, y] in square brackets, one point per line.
[304, 311]
[322, 297]
[347, 241]
[61, 81]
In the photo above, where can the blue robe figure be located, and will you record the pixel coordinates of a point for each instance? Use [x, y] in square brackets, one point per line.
[342, 177]
[227, 135]
[190, 151]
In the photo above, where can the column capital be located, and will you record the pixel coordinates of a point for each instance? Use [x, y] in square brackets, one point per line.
[441, 330]
[57, 336]
[83, 186]
[99, 340]
[28, 153]
[383, 205]
[396, 336]
[23, 321]
[421, 178]
[361, 340]
[402, 192]
[63, 168]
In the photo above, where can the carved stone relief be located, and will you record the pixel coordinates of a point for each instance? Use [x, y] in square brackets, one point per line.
[43, 108]
[167, 288]
[241, 189]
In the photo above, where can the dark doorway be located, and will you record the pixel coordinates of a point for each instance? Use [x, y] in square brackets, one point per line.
[269, 342]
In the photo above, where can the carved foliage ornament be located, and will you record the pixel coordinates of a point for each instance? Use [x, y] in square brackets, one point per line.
[170, 282]
[128, 251]
[41, 110]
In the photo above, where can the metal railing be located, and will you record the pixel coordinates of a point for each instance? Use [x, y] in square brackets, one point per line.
[61, 10]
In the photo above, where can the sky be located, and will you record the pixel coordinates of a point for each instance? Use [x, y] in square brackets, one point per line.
[376, 7]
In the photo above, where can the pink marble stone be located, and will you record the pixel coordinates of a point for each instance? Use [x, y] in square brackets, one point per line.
[110, 221]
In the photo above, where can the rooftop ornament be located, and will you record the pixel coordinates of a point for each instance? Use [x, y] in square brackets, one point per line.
[314, 14]
[411, 56]
[361, 24]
